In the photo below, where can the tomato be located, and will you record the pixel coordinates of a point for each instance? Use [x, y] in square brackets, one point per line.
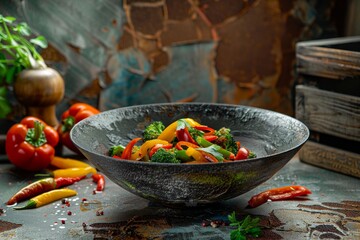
[243, 153]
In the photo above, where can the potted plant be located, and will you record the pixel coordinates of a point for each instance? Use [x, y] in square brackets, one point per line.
[37, 87]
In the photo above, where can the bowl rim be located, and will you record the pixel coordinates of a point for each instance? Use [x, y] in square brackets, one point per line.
[190, 104]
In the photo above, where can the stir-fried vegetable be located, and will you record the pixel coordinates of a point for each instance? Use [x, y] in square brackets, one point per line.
[183, 141]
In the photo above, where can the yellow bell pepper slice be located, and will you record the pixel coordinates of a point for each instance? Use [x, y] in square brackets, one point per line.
[192, 152]
[149, 144]
[169, 132]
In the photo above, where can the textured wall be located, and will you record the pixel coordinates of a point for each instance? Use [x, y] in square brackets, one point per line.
[117, 53]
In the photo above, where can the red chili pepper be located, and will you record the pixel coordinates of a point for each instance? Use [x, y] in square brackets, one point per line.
[242, 154]
[32, 190]
[66, 181]
[30, 144]
[126, 154]
[207, 130]
[179, 145]
[157, 147]
[210, 138]
[41, 186]
[184, 135]
[70, 117]
[277, 194]
[100, 180]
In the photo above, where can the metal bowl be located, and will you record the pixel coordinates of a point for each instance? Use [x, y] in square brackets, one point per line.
[274, 137]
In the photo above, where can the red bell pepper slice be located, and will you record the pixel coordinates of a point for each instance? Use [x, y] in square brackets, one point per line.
[277, 194]
[180, 145]
[209, 157]
[157, 147]
[184, 135]
[126, 154]
[207, 130]
[210, 138]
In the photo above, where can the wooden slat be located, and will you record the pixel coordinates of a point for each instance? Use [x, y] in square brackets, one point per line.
[328, 112]
[331, 158]
[322, 58]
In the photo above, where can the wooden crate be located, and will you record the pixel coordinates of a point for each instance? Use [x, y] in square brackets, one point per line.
[328, 102]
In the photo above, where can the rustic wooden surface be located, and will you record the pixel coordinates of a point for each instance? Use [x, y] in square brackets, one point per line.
[336, 58]
[332, 211]
[331, 158]
[328, 112]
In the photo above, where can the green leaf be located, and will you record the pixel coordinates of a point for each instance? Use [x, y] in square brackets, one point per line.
[5, 107]
[232, 218]
[40, 41]
[213, 151]
[3, 92]
[2, 72]
[10, 75]
[247, 226]
[23, 29]
[8, 19]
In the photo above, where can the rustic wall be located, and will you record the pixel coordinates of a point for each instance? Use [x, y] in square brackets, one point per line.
[117, 53]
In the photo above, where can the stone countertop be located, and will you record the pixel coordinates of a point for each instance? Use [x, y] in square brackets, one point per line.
[332, 211]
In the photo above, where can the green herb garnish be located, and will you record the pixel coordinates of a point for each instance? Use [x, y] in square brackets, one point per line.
[245, 227]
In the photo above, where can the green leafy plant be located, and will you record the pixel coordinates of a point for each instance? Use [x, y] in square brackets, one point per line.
[245, 227]
[17, 52]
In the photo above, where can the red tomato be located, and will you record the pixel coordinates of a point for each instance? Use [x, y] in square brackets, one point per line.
[242, 154]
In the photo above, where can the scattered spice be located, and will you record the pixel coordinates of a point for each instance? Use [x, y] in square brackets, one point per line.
[94, 192]
[2, 211]
[99, 213]
[63, 221]
[69, 213]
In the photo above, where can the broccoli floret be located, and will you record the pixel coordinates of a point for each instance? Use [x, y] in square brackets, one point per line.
[163, 156]
[153, 130]
[116, 150]
[226, 140]
[252, 155]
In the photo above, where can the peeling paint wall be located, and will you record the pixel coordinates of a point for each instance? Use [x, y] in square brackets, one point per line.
[118, 53]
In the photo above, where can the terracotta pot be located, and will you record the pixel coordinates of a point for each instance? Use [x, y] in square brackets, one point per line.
[39, 90]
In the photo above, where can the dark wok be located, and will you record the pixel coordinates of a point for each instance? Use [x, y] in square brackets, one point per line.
[274, 137]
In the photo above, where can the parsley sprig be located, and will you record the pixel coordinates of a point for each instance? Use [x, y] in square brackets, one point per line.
[245, 227]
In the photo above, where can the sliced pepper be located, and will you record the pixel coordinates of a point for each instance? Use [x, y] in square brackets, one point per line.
[169, 132]
[210, 138]
[204, 143]
[145, 148]
[277, 194]
[183, 134]
[192, 152]
[158, 146]
[179, 145]
[207, 130]
[126, 154]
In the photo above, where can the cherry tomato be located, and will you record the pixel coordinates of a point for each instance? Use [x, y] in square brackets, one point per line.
[242, 154]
